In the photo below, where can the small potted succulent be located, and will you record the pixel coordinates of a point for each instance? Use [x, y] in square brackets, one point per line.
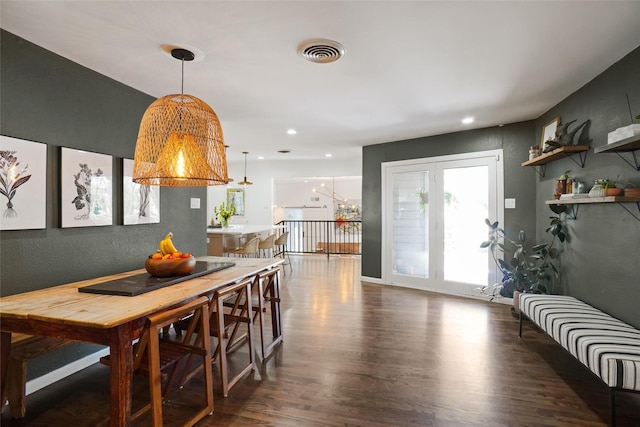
[609, 187]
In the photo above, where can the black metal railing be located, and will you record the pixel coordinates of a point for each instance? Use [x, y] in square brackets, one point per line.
[324, 237]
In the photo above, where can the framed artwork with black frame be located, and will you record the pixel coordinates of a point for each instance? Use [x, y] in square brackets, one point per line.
[140, 203]
[86, 188]
[23, 184]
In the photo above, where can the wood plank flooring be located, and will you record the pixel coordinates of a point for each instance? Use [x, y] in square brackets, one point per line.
[367, 355]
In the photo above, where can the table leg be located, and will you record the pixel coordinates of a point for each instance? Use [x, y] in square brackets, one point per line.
[5, 350]
[120, 340]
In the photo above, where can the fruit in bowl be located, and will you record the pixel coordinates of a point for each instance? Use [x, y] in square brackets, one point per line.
[168, 261]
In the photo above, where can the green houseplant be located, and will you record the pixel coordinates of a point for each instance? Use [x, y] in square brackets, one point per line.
[534, 273]
[224, 212]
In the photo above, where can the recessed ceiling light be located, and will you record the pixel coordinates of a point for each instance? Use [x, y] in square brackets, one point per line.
[260, 157]
[328, 155]
[468, 120]
[291, 131]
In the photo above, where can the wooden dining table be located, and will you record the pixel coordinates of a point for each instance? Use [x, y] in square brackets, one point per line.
[116, 321]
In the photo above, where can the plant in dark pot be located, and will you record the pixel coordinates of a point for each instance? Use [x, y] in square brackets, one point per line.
[522, 272]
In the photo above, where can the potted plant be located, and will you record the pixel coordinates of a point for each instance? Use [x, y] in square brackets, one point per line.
[535, 273]
[561, 185]
[609, 187]
[224, 212]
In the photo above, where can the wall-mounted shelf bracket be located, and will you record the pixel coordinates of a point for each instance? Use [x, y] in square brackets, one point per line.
[630, 211]
[540, 169]
[636, 161]
[583, 158]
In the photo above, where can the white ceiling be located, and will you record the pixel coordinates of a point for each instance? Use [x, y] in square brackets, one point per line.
[411, 68]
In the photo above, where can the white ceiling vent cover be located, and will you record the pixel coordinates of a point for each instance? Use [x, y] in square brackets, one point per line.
[321, 51]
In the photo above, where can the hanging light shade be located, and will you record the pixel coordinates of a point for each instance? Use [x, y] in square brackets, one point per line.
[245, 182]
[180, 141]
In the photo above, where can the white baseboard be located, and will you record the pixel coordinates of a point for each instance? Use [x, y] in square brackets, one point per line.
[63, 372]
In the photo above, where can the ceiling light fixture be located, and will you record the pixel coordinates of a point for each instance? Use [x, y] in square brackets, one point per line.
[468, 120]
[245, 182]
[291, 132]
[180, 141]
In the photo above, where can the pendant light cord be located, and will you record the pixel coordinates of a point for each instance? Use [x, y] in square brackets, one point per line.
[182, 83]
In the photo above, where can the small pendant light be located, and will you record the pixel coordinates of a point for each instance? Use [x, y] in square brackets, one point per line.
[244, 181]
[180, 141]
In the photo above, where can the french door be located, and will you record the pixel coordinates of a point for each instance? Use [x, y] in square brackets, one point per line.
[433, 221]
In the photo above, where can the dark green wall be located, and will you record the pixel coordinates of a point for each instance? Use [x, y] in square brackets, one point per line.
[601, 262]
[49, 99]
[601, 265]
[514, 139]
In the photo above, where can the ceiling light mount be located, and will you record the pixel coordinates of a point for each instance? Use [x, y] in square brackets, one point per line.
[321, 51]
[182, 54]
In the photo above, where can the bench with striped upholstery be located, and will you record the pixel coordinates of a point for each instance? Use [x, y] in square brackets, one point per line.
[607, 346]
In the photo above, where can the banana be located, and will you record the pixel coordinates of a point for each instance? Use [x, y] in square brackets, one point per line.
[166, 245]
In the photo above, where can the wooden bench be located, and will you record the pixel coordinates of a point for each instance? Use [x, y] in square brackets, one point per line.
[608, 347]
[23, 348]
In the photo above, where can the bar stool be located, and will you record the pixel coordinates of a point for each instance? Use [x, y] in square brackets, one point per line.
[281, 248]
[153, 355]
[249, 249]
[268, 244]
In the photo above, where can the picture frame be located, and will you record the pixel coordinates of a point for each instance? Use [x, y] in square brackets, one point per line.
[140, 203]
[86, 188]
[23, 184]
[235, 197]
[549, 132]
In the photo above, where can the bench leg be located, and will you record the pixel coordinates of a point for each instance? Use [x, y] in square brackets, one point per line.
[612, 407]
[16, 387]
[520, 321]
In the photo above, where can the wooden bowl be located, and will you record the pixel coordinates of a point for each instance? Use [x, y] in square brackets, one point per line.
[170, 267]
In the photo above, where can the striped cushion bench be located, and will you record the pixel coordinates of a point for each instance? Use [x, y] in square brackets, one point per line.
[607, 346]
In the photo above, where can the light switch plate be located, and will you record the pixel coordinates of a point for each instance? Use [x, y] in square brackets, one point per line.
[509, 203]
[195, 203]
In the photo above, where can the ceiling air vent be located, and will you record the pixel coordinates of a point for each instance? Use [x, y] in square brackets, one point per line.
[321, 51]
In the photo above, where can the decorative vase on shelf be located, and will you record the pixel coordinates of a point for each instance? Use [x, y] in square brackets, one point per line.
[596, 191]
[224, 222]
[561, 188]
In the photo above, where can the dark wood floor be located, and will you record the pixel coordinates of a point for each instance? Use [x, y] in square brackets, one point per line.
[368, 355]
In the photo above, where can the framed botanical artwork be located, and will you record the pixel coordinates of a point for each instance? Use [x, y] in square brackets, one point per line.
[86, 188]
[23, 184]
[549, 133]
[235, 197]
[140, 203]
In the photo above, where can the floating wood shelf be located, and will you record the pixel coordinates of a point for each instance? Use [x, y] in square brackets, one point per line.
[605, 199]
[629, 144]
[625, 146]
[621, 200]
[556, 154]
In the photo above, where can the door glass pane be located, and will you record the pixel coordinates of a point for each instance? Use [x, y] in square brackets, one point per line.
[466, 205]
[410, 252]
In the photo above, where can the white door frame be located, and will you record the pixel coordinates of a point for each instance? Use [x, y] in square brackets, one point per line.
[431, 164]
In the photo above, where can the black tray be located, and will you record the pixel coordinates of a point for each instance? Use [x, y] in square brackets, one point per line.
[142, 283]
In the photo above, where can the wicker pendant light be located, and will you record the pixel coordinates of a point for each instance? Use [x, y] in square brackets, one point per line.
[245, 182]
[180, 141]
